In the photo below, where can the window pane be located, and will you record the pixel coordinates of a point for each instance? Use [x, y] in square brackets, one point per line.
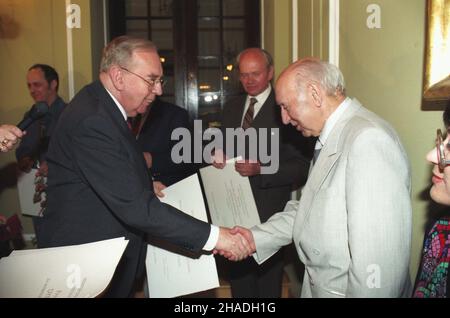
[167, 61]
[233, 37]
[209, 110]
[234, 8]
[137, 28]
[208, 80]
[136, 8]
[208, 8]
[161, 8]
[208, 37]
[230, 78]
[209, 61]
[162, 34]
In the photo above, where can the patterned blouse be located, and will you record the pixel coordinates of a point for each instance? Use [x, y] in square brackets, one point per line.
[433, 280]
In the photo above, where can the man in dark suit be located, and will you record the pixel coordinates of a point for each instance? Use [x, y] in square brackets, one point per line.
[98, 185]
[43, 84]
[154, 138]
[258, 110]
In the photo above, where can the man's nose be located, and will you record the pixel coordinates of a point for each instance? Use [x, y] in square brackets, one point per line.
[157, 89]
[285, 117]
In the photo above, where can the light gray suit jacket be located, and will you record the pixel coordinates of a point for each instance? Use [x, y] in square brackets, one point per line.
[352, 225]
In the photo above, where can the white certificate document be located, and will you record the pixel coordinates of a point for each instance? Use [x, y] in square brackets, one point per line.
[77, 271]
[26, 189]
[170, 274]
[230, 197]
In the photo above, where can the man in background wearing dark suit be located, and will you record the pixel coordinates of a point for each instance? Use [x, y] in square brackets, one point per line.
[154, 138]
[258, 110]
[43, 85]
[98, 185]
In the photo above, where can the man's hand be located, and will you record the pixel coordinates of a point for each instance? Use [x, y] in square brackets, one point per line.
[235, 247]
[9, 136]
[148, 159]
[25, 164]
[158, 187]
[219, 159]
[248, 168]
[247, 234]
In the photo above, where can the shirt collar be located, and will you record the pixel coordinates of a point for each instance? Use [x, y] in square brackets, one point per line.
[262, 97]
[122, 110]
[331, 122]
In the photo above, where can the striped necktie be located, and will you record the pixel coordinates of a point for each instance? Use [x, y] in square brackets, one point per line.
[248, 118]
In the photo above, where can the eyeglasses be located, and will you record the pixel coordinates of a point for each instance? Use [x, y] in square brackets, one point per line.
[150, 82]
[440, 147]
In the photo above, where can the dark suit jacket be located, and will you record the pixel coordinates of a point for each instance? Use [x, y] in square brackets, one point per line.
[98, 188]
[272, 191]
[155, 138]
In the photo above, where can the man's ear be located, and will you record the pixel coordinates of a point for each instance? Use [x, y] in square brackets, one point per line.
[53, 85]
[316, 93]
[115, 73]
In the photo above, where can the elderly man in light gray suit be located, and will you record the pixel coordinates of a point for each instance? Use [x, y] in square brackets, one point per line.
[352, 225]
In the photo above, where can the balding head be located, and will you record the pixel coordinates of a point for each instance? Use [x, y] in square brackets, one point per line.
[255, 67]
[316, 70]
[308, 92]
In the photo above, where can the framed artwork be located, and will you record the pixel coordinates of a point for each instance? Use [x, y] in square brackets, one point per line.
[436, 92]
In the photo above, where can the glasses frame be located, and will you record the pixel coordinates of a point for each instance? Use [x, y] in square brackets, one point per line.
[440, 149]
[150, 82]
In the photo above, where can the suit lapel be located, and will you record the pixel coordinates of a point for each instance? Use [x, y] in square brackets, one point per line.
[329, 155]
[266, 111]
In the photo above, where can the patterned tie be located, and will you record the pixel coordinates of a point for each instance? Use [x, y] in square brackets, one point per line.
[248, 118]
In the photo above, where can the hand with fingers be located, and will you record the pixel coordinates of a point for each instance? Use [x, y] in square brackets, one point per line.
[248, 168]
[219, 159]
[9, 136]
[233, 246]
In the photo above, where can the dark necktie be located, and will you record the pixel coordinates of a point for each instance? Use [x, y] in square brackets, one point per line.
[316, 154]
[317, 150]
[248, 118]
[133, 124]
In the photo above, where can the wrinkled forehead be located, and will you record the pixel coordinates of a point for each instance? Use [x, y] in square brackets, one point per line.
[148, 62]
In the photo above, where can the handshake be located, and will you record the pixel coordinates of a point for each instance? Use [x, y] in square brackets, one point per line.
[235, 244]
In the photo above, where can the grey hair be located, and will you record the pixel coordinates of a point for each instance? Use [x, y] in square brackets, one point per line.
[327, 74]
[120, 50]
[267, 56]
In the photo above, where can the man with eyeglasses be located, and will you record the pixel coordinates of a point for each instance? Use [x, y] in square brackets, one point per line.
[98, 184]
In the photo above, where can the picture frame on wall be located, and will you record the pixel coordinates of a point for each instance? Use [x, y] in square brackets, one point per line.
[436, 91]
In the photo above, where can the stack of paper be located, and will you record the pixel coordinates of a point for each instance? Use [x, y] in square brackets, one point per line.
[77, 271]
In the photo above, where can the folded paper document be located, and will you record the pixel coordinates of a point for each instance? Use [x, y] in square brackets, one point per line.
[172, 272]
[76, 271]
[230, 197]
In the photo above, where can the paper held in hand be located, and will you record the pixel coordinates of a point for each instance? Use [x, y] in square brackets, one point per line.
[172, 272]
[77, 271]
[229, 195]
